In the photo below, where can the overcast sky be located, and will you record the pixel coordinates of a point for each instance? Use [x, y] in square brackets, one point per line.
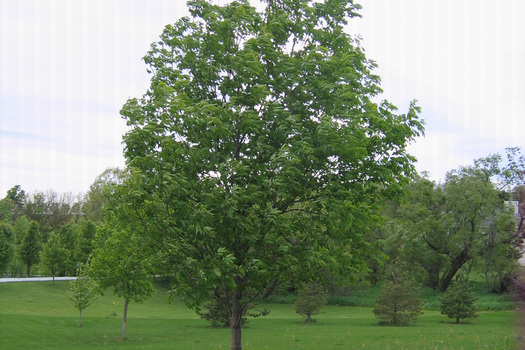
[67, 67]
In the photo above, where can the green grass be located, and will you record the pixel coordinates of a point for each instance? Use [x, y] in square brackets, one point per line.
[39, 316]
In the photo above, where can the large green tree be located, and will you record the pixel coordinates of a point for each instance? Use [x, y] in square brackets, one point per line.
[259, 150]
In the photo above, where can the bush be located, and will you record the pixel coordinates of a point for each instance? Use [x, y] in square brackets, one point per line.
[399, 301]
[310, 300]
[458, 302]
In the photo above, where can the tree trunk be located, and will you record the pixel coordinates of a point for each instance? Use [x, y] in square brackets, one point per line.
[53, 278]
[80, 318]
[457, 263]
[433, 276]
[124, 319]
[236, 316]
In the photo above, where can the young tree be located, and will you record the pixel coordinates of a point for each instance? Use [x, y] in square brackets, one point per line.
[55, 256]
[258, 149]
[83, 292]
[31, 247]
[399, 301]
[458, 302]
[312, 297]
[7, 245]
[122, 262]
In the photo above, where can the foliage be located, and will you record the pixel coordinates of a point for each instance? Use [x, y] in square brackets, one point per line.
[83, 291]
[458, 302]
[312, 297]
[258, 149]
[31, 247]
[55, 256]
[399, 301]
[7, 245]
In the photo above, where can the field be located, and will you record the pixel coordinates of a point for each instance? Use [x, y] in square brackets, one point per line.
[38, 315]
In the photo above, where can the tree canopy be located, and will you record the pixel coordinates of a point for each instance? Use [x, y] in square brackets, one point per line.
[258, 149]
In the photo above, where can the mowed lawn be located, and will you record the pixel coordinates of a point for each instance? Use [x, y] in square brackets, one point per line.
[37, 315]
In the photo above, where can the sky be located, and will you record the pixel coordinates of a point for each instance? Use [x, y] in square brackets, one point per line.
[67, 67]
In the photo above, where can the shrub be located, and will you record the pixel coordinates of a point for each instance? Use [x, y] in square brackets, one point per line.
[310, 300]
[458, 302]
[399, 301]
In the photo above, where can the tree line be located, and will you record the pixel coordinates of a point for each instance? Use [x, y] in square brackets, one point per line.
[49, 232]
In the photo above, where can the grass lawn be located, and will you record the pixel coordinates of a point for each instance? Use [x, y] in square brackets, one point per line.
[37, 315]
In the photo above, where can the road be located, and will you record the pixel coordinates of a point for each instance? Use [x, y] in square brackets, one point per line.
[35, 279]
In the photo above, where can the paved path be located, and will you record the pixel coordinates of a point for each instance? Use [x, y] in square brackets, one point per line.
[36, 279]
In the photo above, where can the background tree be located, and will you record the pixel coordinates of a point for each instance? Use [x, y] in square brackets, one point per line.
[51, 210]
[500, 251]
[7, 245]
[31, 247]
[84, 242]
[258, 149]
[122, 262]
[399, 301]
[458, 302]
[95, 199]
[444, 228]
[311, 298]
[83, 292]
[55, 256]
[21, 227]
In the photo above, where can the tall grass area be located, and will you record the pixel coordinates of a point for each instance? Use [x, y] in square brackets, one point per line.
[37, 315]
[364, 295]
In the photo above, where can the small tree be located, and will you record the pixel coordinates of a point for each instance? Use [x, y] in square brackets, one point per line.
[31, 247]
[122, 262]
[458, 302]
[312, 297]
[399, 301]
[55, 256]
[83, 292]
[7, 245]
